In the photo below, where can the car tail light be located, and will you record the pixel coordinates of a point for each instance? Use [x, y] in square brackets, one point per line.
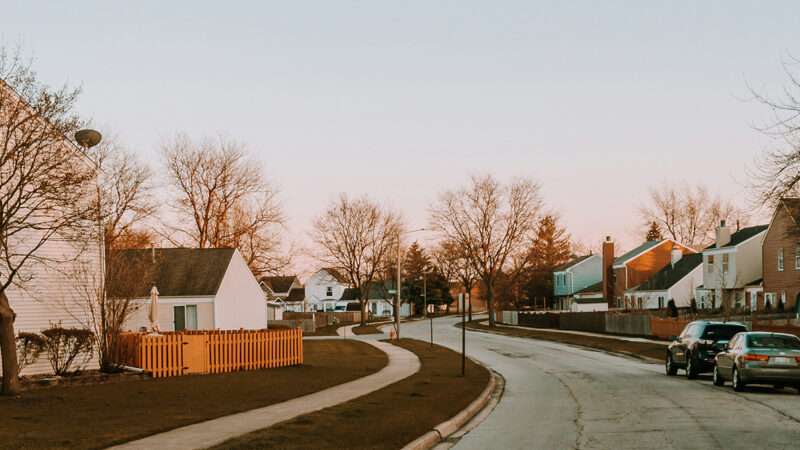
[754, 357]
[797, 358]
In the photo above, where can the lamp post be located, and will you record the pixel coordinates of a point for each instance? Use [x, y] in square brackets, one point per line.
[399, 279]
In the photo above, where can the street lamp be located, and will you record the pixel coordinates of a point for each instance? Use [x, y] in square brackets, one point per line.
[397, 297]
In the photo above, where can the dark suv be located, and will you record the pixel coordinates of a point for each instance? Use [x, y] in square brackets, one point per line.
[694, 350]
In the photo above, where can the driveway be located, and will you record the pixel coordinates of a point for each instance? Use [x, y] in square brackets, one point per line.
[562, 397]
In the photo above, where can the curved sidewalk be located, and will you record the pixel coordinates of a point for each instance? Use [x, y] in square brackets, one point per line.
[402, 364]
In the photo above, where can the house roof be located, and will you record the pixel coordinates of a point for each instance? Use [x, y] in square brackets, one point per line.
[597, 287]
[181, 271]
[337, 275]
[279, 283]
[793, 207]
[571, 263]
[296, 295]
[669, 275]
[377, 291]
[740, 236]
[625, 257]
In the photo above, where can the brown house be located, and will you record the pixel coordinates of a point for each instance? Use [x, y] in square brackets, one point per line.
[635, 267]
[781, 257]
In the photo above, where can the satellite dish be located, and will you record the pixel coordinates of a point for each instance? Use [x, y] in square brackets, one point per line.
[88, 138]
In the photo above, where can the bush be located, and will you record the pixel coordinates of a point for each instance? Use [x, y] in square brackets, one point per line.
[68, 346]
[29, 347]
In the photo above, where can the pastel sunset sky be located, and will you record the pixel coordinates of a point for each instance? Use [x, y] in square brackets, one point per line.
[401, 100]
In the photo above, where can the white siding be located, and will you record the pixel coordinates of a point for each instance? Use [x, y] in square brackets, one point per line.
[166, 320]
[316, 287]
[55, 291]
[239, 302]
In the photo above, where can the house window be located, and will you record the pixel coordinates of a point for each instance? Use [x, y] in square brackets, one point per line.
[780, 260]
[329, 291]
[783, 298]
[185, 317]
[769, 299]
[725, 263]
[753, 301]
[710, 263]
[797, 257]
[738, 299]
[660, 302]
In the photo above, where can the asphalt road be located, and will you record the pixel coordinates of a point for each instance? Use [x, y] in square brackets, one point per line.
[563, 397]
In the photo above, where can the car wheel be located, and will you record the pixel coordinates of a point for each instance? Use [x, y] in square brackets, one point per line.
[669, 365]
[718, 380]
[691, 367]
[736, 381]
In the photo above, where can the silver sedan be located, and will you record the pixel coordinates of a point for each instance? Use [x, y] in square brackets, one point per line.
[759, 358]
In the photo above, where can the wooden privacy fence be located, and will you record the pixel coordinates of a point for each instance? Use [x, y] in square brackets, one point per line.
[183, 353]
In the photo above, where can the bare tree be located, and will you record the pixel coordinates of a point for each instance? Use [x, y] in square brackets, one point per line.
[453, 263]
[45, 182]
[490, 222]
[356, 237]
[222, 201]
[688, 214]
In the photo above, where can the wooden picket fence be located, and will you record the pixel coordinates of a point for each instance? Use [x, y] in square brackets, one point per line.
[213, 351]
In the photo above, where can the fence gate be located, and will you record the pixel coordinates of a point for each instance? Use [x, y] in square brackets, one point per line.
[195, 356]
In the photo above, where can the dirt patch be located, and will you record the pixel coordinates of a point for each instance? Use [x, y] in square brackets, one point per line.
[389, 418]
[100, 415]
[369, 329]
[609, 344]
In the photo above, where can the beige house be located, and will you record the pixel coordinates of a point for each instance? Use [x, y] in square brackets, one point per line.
[199, 289]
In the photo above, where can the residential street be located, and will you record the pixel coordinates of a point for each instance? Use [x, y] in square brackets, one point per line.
[562, 397]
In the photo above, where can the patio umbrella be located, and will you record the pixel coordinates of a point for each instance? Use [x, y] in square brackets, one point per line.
[154, 309]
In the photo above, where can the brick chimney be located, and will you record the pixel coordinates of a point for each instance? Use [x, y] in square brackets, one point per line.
[608, 271]
[723, 234]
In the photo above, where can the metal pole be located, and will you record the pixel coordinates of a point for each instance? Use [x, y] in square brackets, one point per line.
[425, 292]
[397, 298]
[431, 319]
[463, 335]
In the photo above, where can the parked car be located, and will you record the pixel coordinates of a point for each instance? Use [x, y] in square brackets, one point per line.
[697, 346]
[759, 358]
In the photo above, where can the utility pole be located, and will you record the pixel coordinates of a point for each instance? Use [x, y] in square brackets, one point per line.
[425, 292]
[397, 303]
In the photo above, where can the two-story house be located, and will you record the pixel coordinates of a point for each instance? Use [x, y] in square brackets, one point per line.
[781, 257]
[732, 268]
[284, 292]
[575, 276]
[677, 281]
[324, 288]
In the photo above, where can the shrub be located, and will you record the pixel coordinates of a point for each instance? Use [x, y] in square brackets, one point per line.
[29, 347]
[66, 347]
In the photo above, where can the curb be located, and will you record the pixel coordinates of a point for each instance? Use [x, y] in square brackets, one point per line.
[445, 429]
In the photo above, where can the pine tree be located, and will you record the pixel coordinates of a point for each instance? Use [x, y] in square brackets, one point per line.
[551, 247]
[654, 232]
[416, 265]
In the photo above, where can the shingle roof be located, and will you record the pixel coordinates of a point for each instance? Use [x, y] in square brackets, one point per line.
[741, 236]
[597, 287]
[378, 291]
[669, 275]
[631, 253]
[296, 295]
[337, 275]
[793, 206]
[279, 283]
[181, 271]
[571, 263]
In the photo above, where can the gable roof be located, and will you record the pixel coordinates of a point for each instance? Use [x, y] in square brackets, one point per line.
[574, 262]
[279, 283]
[669, 275]
[597, 287]
[792, 206]
[377, 291]
[336, 275]
[740, 236]
[296, 295]
[630, 254]
[181, 271]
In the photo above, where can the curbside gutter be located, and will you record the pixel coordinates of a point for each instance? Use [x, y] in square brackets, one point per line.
[449, 427]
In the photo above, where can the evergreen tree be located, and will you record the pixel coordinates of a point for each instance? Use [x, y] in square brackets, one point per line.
[551, 248]
[654, 232]
[416, 266]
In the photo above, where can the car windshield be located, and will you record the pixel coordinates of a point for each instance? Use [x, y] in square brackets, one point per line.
[772, 341]
[722, 332]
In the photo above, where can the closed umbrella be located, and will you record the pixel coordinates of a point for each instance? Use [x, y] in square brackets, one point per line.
[154, 309]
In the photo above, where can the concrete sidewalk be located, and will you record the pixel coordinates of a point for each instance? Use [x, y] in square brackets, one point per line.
[585, 333]
[402, 364]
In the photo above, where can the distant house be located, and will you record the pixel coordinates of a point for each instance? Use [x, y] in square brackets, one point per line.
[380, 303]
[781, 257]
[324, 288]
[199, 289]
[589, 298]
[285, 292]
[635, 267]
[574, 276]
[677, 281]
[732, 268]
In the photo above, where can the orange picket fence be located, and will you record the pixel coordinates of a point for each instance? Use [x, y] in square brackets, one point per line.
[213, 351]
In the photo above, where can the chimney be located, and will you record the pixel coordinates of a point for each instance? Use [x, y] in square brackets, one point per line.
[675, 255]
[608, 271]
[723, 234]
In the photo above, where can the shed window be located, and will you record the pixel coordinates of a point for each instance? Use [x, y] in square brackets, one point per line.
[185, 317]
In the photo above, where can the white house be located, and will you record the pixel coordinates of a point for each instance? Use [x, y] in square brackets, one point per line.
[380, 303]
[203, 289]
[283, 293]
[732, 267]
[324, 288]
[677, 281]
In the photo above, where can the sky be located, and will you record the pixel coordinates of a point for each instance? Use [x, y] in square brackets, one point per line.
[597, 101]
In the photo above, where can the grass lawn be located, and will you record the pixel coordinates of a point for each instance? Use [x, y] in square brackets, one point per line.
[95, 416]
[388, 418]
[640, 349]
[367, 329]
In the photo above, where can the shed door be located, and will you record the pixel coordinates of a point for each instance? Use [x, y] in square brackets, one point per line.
[195, 356]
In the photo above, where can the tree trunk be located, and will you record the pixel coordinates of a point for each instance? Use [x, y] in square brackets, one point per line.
[490, 302]
[8, 347]
[363, 313]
